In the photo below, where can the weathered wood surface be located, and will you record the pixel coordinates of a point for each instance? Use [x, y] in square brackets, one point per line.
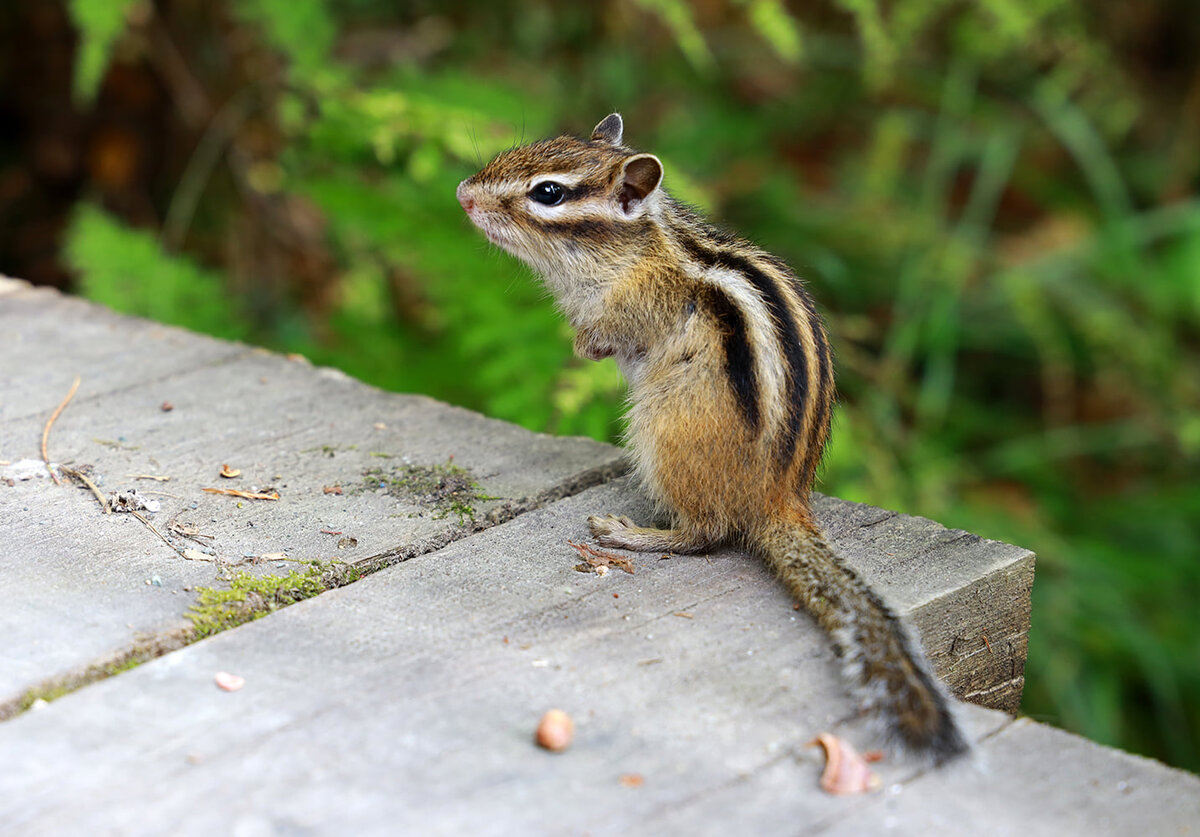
[77, 591]
[405, 702]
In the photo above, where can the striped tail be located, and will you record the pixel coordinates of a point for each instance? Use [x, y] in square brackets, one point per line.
[882, 663]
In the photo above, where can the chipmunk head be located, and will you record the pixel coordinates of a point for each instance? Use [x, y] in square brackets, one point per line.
[567, 207]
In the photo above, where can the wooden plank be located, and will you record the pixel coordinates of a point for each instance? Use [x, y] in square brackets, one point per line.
[968, 597]
[411, 698]
[82, 588]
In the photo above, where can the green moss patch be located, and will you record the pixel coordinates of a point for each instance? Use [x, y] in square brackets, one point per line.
[251, 597]
[448, 488]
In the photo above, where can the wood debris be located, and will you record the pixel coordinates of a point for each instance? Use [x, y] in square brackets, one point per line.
[846, 772]
[50, 423]
[229, 473]
[246, 495]
[131, 501]
[596, 558]
[83, 478]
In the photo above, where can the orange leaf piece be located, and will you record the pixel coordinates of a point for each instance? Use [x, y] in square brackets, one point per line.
[846, 772]
[229, 682]
[229, 473]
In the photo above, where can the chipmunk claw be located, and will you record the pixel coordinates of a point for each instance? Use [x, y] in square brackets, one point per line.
[607, 529]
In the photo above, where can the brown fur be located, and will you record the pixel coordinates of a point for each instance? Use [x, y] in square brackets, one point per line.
[731, 389]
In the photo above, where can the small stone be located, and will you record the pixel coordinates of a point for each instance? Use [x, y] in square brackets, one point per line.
[156, 581]
[555, 731]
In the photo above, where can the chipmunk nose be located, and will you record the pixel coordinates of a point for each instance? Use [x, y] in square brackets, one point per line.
[464, 197]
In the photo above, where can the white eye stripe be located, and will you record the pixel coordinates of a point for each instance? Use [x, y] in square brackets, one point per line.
[567, 181]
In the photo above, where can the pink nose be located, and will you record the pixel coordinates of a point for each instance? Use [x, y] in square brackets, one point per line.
[468, 202]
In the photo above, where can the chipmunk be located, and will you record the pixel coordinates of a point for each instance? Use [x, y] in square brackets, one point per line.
[731, 389]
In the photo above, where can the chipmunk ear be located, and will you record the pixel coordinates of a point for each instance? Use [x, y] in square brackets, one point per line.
[640, 175]
[610, 129]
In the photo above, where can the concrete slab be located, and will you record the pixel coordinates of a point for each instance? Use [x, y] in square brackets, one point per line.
[406, 703]
[80, 586]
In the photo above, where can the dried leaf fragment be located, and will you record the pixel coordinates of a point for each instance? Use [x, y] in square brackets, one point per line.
[331, 489]
[229, 473]
[596, 558]
[555, 731]
[846, 772]
[274, 495]
[631, 780]
[229, 682]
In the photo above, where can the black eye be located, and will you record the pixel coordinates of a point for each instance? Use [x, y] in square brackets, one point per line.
[547, 192]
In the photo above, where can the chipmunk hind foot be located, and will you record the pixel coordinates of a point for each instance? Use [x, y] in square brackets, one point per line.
[620, 532]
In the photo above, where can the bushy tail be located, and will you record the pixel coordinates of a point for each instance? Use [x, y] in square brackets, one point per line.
[883, 664]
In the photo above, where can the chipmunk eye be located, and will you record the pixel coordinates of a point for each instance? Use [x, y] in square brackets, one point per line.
[547, 192]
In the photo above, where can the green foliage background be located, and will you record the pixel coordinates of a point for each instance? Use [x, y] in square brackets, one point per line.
[1000, 222]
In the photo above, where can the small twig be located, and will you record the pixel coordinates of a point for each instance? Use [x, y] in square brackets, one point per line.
[150, 526]
[79, 475]
[274, 495]
[46, 430]
[148, 477]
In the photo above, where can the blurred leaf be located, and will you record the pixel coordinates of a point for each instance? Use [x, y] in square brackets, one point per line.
[100, 23]
[126, 269]
[678, 18]
[778, 28]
